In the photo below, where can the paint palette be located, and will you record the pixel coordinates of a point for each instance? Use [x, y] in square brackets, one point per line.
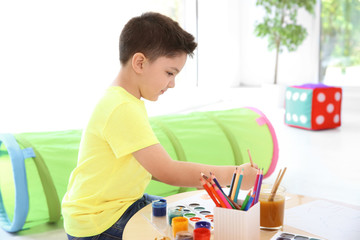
[195, 212]
[197, 208]
[291, 236]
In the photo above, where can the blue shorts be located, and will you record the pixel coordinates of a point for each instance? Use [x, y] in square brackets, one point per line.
[116, 230]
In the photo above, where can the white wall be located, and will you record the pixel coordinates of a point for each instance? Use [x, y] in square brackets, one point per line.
[57, 57]
[219, 48]
[231, 55]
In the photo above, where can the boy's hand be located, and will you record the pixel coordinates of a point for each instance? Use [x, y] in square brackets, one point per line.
[249, 175]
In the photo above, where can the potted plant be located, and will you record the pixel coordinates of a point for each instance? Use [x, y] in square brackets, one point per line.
[280, 26]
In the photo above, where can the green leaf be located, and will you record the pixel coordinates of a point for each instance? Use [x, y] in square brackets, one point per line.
[279, 22]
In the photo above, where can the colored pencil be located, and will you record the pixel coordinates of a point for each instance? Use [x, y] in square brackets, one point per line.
[257, 194]
[212, 177]
[256, 183]
[232, 196]
[213, 183]
[249, 203]
[251, 161]
[232, 182]
[243, 205]
[238, 185]
[222, 197]
[206, 187]
[222, 204]
[234, 204]
[205, 177]
[256, 180]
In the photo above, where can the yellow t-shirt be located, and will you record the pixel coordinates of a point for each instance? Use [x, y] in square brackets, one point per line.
[107, 178]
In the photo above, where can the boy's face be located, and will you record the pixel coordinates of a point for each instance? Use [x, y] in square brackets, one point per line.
[159, 75]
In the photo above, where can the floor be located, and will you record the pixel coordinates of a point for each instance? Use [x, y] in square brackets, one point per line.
[321, 164]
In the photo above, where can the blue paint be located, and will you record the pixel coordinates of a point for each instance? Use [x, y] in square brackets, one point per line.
[203, 224]
[159, 208]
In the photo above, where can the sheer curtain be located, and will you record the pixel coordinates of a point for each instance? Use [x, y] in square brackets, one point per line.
[57, 57]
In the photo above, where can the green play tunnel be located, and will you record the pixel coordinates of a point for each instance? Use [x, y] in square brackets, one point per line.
[35, 167]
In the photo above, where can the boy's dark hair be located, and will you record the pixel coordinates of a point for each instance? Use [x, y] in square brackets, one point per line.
[154, 35]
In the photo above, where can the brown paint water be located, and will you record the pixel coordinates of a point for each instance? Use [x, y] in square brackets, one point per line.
[272, 213]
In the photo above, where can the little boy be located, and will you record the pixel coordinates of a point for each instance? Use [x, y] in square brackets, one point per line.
[119, 153]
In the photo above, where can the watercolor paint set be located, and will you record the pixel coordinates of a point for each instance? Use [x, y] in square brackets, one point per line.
[195, 212]
[292, 236]
[197, 208]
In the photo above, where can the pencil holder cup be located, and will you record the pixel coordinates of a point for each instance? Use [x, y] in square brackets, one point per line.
[232, 224]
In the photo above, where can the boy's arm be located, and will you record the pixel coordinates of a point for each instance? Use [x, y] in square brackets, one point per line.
[186, 174]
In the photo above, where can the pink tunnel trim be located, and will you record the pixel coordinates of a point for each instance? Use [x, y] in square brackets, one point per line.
[261, 121]
[275, 156]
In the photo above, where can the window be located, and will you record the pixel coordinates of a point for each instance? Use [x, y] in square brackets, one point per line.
[340, 42]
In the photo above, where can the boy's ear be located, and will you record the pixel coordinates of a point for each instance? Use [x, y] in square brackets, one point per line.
[138, 61]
